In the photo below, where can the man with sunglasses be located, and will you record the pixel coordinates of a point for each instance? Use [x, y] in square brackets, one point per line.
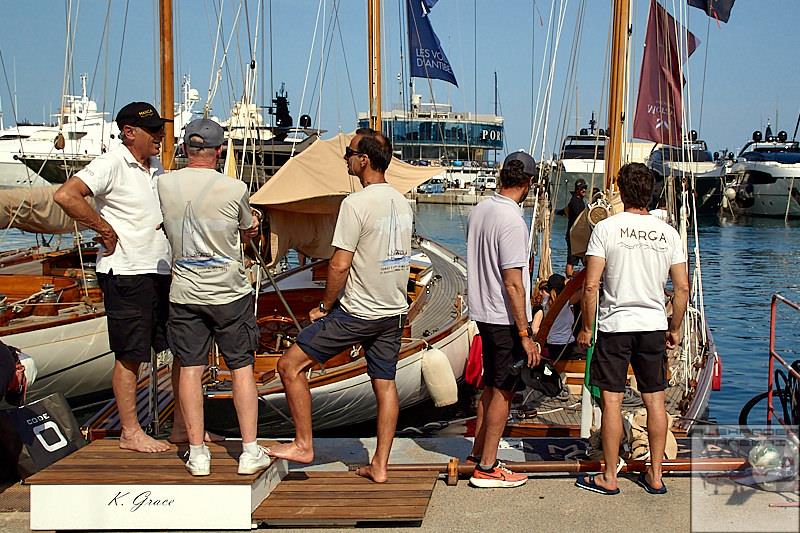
[133, 264]
[365, 300]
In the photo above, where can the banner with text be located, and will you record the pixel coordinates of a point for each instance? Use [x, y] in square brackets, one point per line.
[426, 56]
[659, 105]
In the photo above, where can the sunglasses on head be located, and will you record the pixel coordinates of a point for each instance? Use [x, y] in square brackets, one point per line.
[349, 152]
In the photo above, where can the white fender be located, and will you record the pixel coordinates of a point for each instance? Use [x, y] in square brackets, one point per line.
[439, 378]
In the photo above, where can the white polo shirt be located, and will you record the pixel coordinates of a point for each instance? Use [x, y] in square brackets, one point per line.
[497, 239]
[126, 196]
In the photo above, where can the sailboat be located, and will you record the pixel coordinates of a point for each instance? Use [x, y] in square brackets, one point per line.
[692, 364]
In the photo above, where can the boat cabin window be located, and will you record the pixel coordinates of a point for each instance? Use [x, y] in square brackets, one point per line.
[11, 137]
[75, 135]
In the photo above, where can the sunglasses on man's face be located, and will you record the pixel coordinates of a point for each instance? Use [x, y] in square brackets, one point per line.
[349, 152]
[154, 132]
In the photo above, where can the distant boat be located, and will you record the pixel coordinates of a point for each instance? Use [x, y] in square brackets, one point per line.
[765, 179]
[582, 156]
[705, 172]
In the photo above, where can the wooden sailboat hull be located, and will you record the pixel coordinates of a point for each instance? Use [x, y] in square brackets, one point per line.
[73, 358]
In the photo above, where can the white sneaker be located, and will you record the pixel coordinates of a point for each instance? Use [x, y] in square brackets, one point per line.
[250, 464]
[199, 465]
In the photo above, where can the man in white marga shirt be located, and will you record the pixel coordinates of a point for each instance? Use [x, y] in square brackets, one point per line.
[133, 265]
[634, 253]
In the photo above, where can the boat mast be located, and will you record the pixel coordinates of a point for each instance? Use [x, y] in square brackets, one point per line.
[374, 52]
[617, 90]
[167, 83]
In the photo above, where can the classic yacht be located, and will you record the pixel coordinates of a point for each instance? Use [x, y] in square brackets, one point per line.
[765, 179]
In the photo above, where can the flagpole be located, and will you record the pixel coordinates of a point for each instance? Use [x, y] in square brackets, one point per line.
[617, 89]
[374, 47]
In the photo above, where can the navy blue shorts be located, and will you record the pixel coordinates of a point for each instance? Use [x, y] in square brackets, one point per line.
[646, 352]
[136, 311]
[339, 331]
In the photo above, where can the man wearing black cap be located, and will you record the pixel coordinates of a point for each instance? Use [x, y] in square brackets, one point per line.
[574, 209]
[133, 264]
[206, 217]
[498, 282]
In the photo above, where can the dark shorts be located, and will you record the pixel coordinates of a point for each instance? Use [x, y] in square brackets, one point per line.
[136, 311]
[192, 328]
[502, 347]
[644, 350]
[573, 260]
[340, 330]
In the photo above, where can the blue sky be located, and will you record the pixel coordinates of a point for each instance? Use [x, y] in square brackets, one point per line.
[750, 77]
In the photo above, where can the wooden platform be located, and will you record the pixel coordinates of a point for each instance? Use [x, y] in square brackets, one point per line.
[103, 487]
[345, 499]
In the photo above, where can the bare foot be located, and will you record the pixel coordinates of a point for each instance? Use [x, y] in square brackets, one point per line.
[600, 481]
[372, 474]
[139, 441]
[291, 451]
[180, 437]
[656, 486]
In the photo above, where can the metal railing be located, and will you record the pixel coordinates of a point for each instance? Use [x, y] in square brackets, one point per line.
[773, 355]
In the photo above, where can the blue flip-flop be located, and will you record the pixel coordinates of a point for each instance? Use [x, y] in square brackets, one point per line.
[642, 482]
[588, 483]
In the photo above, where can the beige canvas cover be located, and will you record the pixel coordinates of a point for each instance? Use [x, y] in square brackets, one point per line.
[33, 209]
[302, 199]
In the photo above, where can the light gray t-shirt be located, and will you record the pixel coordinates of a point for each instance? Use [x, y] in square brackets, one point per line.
[497, 239]
[376, 224]
[639, 251]
[203, 213]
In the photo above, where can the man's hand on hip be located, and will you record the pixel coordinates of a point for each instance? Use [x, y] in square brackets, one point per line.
[108, 238]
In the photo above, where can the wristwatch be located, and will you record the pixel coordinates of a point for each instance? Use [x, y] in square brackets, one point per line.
[323, 308]
[528, 332]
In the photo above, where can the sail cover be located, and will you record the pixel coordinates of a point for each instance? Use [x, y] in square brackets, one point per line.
[302, 199]
[659, 106]
[425, 54]
[33, 209]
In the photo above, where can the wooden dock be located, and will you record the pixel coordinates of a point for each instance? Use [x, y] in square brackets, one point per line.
[343, 499]
[102, 487]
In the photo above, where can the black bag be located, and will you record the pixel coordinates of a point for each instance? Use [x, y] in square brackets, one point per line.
[543, 378]
[37, 435]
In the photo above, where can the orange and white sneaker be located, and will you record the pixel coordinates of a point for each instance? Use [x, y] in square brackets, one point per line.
[498, 477]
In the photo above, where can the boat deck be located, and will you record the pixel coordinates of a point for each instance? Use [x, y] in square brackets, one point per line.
[444, 291]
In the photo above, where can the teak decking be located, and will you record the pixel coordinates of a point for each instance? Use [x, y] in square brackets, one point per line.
[345, 499]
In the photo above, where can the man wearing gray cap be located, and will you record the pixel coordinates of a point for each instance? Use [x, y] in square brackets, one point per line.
[498, 280]
[207, 216]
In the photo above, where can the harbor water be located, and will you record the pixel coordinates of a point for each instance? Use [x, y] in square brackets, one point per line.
[743, 264]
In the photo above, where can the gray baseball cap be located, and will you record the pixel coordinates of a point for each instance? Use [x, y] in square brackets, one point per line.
[212, 133]
[529, 164]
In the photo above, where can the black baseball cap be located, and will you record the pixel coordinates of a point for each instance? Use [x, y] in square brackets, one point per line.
[581, 184]
[211, 134]
[556, 282]
[529, 164]
[140, 114]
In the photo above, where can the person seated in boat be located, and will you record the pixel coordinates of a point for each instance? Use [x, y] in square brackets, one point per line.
[634, 254]
[15, 375]
[364, 301]
[498, 287]
[206, 217]
[560, 341]
[538, 303]
[573, 210]
[133, 264]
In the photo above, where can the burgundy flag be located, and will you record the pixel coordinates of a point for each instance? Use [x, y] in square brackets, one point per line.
[659, 106]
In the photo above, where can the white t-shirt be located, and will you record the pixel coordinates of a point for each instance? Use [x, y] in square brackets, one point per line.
[376, 224]
[497, 239]
[126, 196]
[639, 251]
[203, 213]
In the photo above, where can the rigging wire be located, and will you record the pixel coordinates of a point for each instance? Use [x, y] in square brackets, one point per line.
[308, 65]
